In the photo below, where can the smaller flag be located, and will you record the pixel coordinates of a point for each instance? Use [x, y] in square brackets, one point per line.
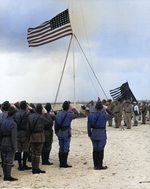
[122, 93]
[51, 30]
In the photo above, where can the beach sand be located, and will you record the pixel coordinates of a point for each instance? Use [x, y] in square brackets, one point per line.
[127, 155]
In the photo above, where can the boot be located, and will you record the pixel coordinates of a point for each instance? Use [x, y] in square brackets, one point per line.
[37, 161]
[30, 155]
[45, 157]
[65, 157]
[20, 168]
[100, 160]
[34, 171]
[8, 174]
[16, 156]
[4, 171]
[25, 156]
[95, 159]
[61, 159]
[48, 163]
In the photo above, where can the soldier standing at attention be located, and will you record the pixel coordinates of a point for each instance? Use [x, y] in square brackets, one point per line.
[36, 123]
[22, 135]
[48, 131]
[9, 143]
[128, 112]
[96, 128]
[3, 116]
[110, 107]
[118, 114]
[144, 111]
[63, 131]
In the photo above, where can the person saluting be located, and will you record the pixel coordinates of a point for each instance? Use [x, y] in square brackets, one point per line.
[63, 131]
[96, 127]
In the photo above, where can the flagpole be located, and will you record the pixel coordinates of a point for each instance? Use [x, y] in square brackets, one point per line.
[74, 74]
[62, 71]
[90, 66]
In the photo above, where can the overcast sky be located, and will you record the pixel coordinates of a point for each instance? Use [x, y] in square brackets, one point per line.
[114, 34]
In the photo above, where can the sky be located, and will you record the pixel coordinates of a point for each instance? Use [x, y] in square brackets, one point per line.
[114, 36]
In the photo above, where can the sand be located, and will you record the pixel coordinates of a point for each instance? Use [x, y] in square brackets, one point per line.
[127, 155]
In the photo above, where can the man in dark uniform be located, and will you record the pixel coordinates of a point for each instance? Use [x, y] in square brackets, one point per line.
[48, 131]
[3, 116]
[9, 143]
[96, 128]
[144, 112]
[36, 123]
[22, 135]
[63, 131]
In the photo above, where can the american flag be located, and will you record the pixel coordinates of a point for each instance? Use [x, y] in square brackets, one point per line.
[51, 30]
[122, 93]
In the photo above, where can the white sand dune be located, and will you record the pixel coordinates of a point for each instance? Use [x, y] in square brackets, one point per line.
[127, 155]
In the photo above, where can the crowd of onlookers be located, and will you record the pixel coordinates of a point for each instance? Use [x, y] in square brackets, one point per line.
[125, 112]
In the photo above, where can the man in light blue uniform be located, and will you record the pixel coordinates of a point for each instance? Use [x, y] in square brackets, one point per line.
[96, 127]
[63, 131]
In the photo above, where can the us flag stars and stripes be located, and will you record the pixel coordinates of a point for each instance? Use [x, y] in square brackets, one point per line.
[51, 30]
[123, 93]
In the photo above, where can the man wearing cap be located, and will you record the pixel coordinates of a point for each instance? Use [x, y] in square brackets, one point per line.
[9, 143]
[63, 131]
[22, 135]
[36, 123]
[117, 113]
[128, 112]
[3, 116]
[48, 131]
[96, 128]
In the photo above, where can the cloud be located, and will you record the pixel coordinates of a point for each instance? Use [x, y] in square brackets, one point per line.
[114, 35]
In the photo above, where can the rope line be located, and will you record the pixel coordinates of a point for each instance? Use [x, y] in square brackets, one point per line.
[88, 73]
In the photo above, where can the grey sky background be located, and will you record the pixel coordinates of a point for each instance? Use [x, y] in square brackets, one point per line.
[115, 36]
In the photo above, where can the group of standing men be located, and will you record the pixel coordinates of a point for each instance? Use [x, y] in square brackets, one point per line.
[25, 128]
[125, 111]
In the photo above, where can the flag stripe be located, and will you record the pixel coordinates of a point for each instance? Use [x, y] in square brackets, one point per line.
[115, 92]
[38, 36]
[115, 89]
[51, 30]
[48, 41]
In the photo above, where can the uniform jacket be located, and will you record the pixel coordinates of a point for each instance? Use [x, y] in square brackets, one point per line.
[117, 109]
[3, 116]
[97, 125]
[63, 122]
[128, 109]
[9, 133]
[21, 119]
[36, 123]
[144, 109]
[50, 124]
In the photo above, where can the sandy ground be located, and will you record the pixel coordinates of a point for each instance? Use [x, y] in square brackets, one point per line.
[127, 155]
